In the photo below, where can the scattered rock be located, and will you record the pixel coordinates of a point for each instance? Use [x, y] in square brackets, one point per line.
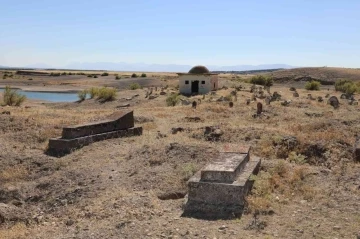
[162, 93]
[123, 106]
[213, 133]
[292, 89]
[314, 114]
[327, 95]
[160, 135]
[295, 94]
[275, 96]
[231, 104]
[248, 102]
[286, 103]
[333, 101]
[151, 97]
[176, 130]
[193, 119]
[5, 112]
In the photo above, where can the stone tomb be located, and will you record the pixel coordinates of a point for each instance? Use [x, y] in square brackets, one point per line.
[219, 189]
[119, 124]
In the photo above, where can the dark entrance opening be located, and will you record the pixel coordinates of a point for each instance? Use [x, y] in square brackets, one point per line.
[195, 87]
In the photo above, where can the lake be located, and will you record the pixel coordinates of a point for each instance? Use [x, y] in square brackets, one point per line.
[49, 96]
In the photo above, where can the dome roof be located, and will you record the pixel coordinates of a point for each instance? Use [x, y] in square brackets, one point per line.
[199, 70]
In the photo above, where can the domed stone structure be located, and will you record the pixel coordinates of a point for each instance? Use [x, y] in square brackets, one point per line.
[199, 70]
[199, 80]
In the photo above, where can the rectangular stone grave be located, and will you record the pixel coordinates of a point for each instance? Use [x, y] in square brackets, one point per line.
[117, 121]
[119, 124]
[219, 189]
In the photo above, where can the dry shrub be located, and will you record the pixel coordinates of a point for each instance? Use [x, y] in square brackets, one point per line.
[107, 94]
[11, 97]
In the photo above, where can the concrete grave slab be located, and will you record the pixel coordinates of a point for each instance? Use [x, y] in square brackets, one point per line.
[218, 190]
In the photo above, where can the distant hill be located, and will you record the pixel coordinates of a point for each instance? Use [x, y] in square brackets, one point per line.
[143, 67]
[326, 75]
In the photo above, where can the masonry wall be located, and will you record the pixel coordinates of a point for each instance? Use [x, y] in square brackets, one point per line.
[207, 83]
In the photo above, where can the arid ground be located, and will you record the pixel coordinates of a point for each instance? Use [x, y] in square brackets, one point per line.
[308, 186]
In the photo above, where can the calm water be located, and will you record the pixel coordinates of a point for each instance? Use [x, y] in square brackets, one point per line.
[49, 96]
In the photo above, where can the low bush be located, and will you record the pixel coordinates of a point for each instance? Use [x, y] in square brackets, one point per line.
[63, 74]
[117, 77]
[90, 76]
[82, 95]
[143, 75]
[95, 76]
[261, 80]
[134, 75]
[172, 100]
[11, 97]
[346, 86]
[93, 92]
[105, 74]
[30, 79]
[312, 85]
[134, 86]
[107, 94]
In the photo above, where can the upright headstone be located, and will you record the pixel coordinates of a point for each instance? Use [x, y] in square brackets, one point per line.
[231, 104]
[259, 108]
[194, 104]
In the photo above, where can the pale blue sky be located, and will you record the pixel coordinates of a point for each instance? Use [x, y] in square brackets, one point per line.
[227, 32]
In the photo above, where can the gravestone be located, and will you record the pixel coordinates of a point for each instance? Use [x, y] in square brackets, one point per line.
[357, 150]
[231, 104]
[194, 104]
[219, 189]
[333, 101]
[248, 102]
[267, 100]
[259, 108]
[119, 124]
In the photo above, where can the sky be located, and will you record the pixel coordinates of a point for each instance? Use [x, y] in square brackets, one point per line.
[212, 32]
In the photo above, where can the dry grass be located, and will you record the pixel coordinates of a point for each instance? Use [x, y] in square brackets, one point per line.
[129, 196]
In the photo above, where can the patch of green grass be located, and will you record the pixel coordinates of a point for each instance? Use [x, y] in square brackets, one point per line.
[143, 75]
[346, 86]
[105, 74]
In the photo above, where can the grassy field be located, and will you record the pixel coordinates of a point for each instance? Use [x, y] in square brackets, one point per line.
[308, 186]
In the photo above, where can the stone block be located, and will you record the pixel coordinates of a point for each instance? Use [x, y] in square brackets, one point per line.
[225, 169]
[61, 146]
[219, 189]
[117, 121]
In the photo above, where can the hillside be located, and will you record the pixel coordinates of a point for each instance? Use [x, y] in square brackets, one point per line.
[326, 75]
